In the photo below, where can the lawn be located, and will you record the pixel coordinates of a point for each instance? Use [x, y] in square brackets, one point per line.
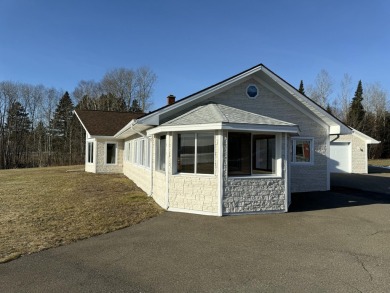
[47, 207]
[379, 162]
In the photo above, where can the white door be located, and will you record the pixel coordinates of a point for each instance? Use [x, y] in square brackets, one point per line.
[340, 157]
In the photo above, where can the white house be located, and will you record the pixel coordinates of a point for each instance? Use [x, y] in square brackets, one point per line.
[240, 146]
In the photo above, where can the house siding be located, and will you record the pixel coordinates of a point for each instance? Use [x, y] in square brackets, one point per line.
[140, 175]
[101, 166]
[358, 149]
[303, 177]
[255, 194]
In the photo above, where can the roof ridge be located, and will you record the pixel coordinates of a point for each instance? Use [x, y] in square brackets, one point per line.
[218, 112]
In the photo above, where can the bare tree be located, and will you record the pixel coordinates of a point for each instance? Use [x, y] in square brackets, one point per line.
[120, 83]
[344, 97]
[322, 88]
[145, 80]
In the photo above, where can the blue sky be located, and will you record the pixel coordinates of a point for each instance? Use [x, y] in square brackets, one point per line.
[193, 44]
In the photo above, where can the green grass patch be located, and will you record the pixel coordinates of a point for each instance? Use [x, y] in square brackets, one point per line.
[47, 207]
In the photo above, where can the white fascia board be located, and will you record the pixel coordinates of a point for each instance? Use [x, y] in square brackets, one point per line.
[86, 130]
[365, 137]
[342, 128]
[153, 119]
[125, 128]
[226, 126]
[262, 128]
[181, 128]
[105, 137]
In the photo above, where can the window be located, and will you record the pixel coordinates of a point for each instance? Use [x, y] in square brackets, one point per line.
[141, 151]
[302, 150]
[90, 152]
[128, 151]
[111, 153]
[252, 91]
[195, 153]
[161, 147]
[251, 154]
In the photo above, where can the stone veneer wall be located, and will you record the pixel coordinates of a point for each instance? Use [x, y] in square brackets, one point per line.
[140, 175]
[359, 152]
[255, 194]
[194, 192]
[101, 166]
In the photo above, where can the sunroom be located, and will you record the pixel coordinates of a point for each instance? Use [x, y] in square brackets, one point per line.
[220, 160]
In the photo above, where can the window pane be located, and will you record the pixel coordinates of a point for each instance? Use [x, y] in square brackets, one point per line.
[142, 152]
[90, 152]
[186, 153]
[263, 154]
[162, 147]
[111, 152]
[239, 154]
[205, 153]
[302, 151]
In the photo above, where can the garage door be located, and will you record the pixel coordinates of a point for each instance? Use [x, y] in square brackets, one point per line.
[340, 157]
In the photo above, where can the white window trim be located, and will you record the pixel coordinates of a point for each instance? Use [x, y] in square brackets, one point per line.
[116, 153]
[127, 151]
[177, 173]
[278, 158]
[136, 152]
[293, 145]
[87, 152]
[257, 91]
[158, 159]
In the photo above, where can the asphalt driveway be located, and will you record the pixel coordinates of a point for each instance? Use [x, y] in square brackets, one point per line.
[335, 241]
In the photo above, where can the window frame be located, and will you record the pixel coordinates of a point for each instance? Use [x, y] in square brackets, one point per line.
[293, 150]
[176, 150]
[141, 152]
[158, 165]
[90, 159]
[278, 156]
[116, 152]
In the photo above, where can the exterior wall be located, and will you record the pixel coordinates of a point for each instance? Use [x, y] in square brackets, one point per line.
[359, 152]
[140, 175]
[308, 177]
[253, 194]
[101, 166]
[190, 191]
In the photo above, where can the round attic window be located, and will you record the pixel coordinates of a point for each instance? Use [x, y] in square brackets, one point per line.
[252, 91]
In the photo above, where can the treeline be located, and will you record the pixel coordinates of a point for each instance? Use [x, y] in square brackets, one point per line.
[367, 110]
[37, 124]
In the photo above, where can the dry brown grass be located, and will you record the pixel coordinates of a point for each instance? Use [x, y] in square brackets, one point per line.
[379, 162]
[47, 207]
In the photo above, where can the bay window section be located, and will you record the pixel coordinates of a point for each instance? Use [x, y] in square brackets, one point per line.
[161, 151]
[195, 153]
[251, 154]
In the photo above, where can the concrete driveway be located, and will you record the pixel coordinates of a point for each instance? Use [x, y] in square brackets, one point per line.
[329, 242]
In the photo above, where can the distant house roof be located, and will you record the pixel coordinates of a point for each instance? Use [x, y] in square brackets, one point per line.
[104, 123]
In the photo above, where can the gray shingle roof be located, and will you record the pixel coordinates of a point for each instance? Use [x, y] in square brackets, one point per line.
[218, 113]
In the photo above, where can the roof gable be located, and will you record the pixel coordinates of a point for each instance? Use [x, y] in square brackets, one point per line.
[104, 123]
[218, 113]
[258, 72]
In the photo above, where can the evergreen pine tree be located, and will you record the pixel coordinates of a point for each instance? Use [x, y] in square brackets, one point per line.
[356, 110]
[61, 129]
[301, 88]
[135, 107]
[329, 109]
